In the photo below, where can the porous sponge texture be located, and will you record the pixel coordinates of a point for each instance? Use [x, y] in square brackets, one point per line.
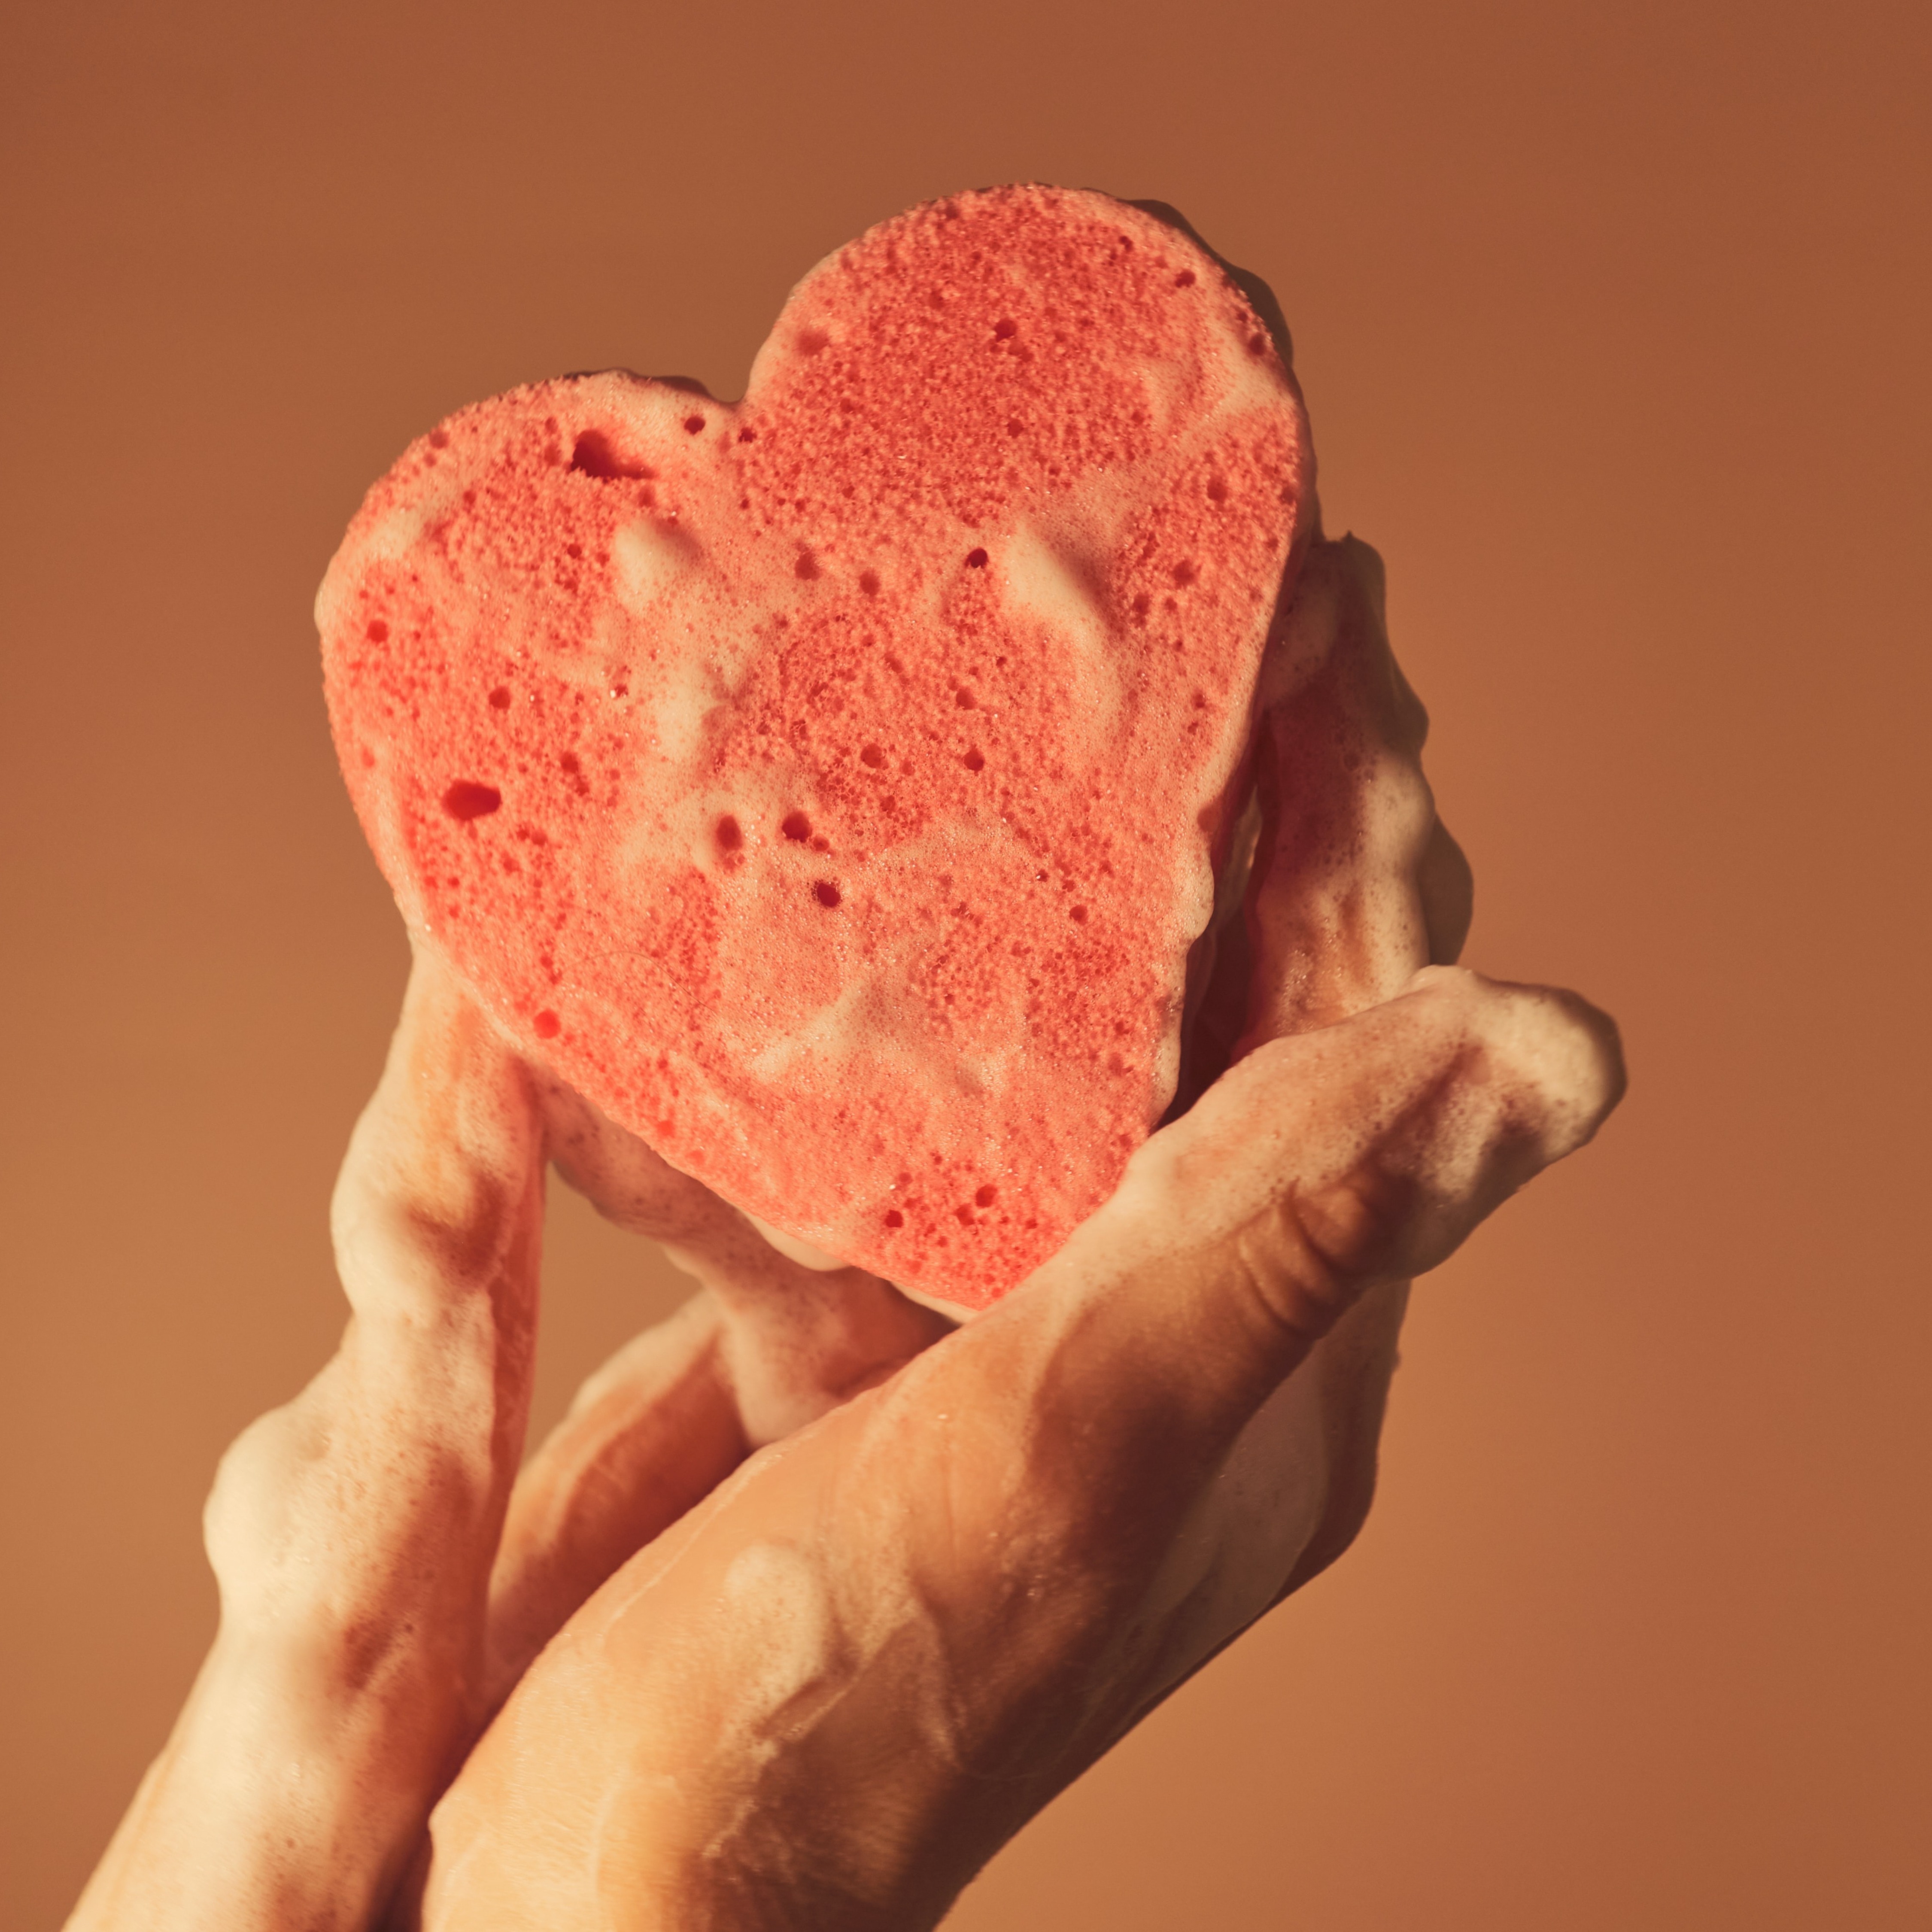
[828, 785]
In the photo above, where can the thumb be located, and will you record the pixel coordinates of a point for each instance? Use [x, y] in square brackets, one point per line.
[1324, 1162]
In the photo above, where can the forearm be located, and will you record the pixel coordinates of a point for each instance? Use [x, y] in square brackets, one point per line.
[352, 1531]
[352, 1549]
[276, 1803]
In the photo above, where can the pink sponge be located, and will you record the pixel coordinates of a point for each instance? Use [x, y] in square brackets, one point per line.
[828, 785]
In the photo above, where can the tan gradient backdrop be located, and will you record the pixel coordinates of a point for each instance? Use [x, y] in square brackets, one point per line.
[1613, 321]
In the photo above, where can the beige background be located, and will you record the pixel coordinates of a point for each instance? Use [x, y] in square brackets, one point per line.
[1613, 321]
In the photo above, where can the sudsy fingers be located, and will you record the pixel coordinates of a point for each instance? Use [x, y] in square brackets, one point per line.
[664, 1421]
[1351, 883]
[650, 1435]
[779, 1338]
[1336, 913]
[416, 1428]
[624, 1178]
[1368, 1150]
[799, 1332]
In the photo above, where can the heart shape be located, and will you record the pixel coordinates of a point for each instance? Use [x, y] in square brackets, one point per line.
[829, 786]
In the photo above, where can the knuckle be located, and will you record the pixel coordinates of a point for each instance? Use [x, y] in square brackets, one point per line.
[411, 1256]
[1355, 1226]
[1304, 1261]
[246, 1521]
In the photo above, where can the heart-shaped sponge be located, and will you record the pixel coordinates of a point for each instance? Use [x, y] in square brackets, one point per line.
[829, 785]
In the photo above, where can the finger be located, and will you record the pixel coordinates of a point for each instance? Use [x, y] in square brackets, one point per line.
[351, 1531]
[1447, 888]
[799, 1342]
[800, 1334]
[1337, 916]
[1263, 1246]
[777, 1343]
[437, 1219]
[652, 1432]
[1355, 883]
[623, 1176]
[1341, 881]
[650, 1435]
[664, 1421]
[1323, 1164]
